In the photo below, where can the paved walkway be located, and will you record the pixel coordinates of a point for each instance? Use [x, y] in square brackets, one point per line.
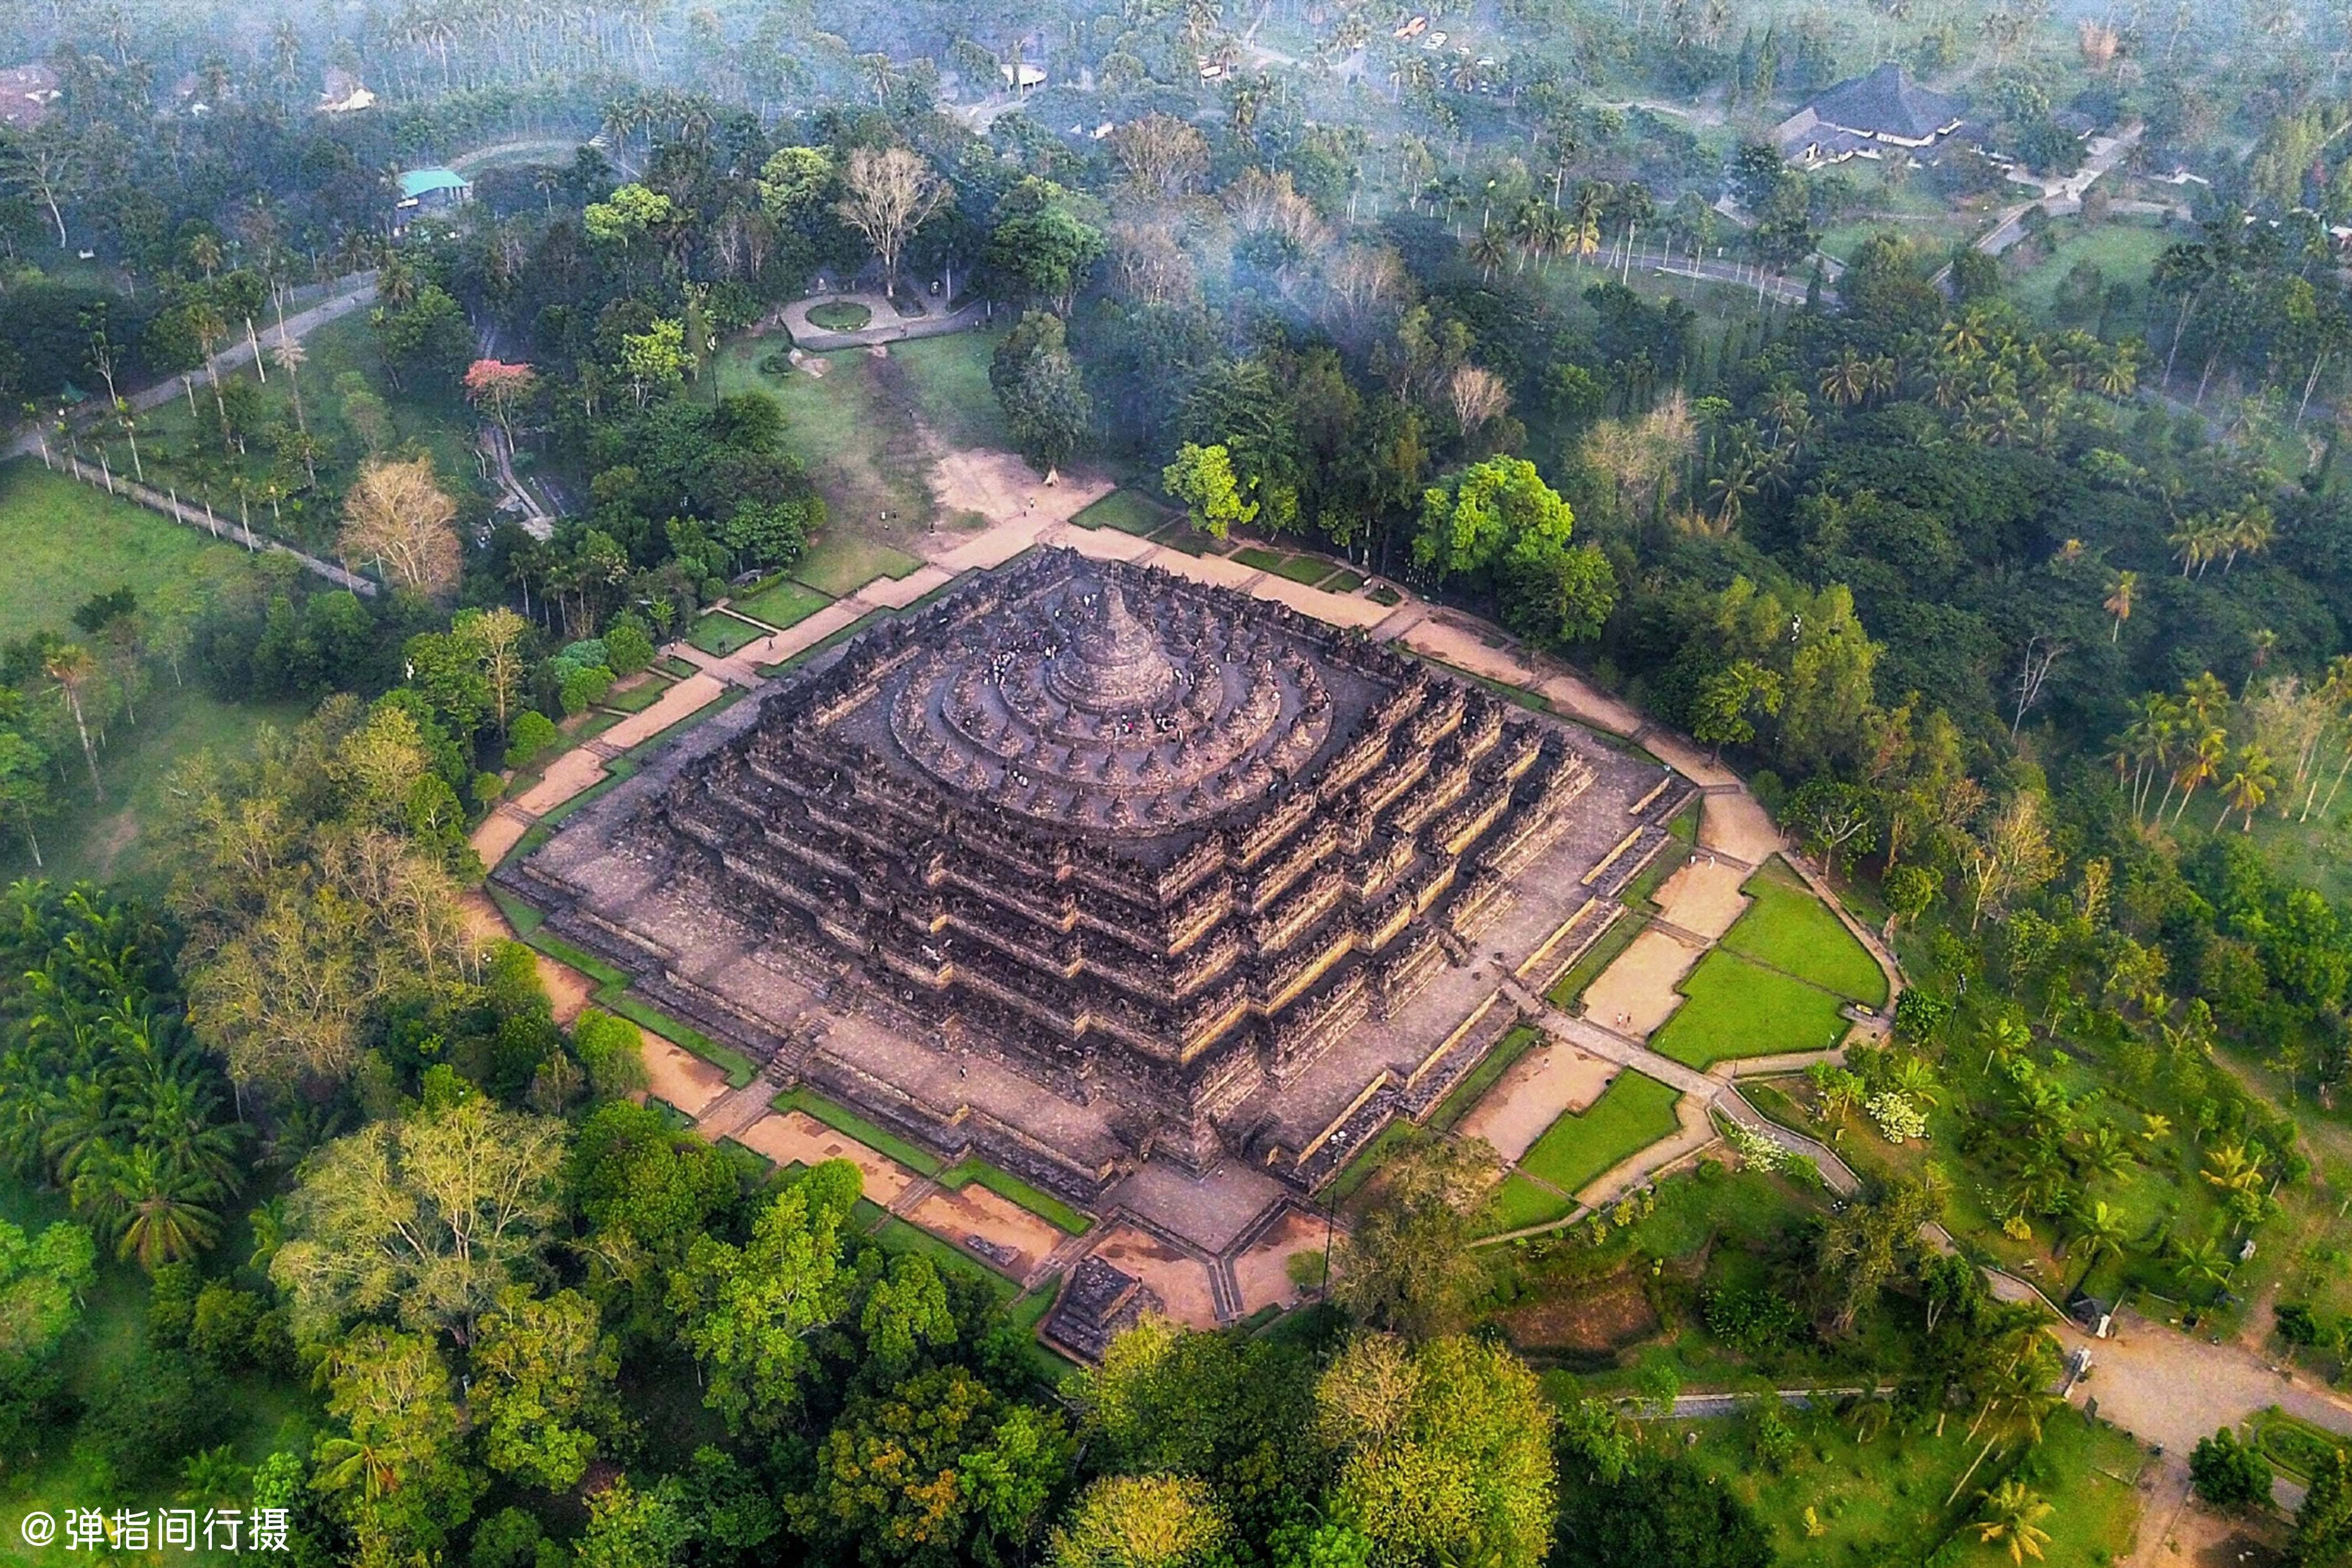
[886, 324]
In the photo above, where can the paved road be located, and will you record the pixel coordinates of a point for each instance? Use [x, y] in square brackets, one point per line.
[351, 293]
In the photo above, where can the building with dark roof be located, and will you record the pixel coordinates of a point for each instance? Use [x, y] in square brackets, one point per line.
[1869, 116]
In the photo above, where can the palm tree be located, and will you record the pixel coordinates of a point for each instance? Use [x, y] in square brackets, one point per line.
[1846, 379]
[2118, 601]
[1488, 251]
[2012, 1517]
[346, 1462]
[2099, 1233]
[73, 669]
[2201, 1262]
[164, 1214]
[2249, 786]
[2200, 765]
[2154, 1128]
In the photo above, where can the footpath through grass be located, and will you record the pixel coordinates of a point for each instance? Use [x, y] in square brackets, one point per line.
[1789, 929]
[1737, 1009]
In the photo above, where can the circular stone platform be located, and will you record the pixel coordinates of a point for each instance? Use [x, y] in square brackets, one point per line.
[1090, 710]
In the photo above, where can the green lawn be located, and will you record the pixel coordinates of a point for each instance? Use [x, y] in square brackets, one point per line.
[1631, 1113]
[1739, 1008]
[2123, 249]
[895, 1235]
[849, 1123]
[639, 698]
[946, 379]
[1016, 1191]
[1519, 1203]
[1260, 559]
[839, 316]
[1789, 929]
[1883, 1502]
[722, 634]
[1343, 581]
[842, 563]
[781, 603]
[61, 541]
[1126, 511]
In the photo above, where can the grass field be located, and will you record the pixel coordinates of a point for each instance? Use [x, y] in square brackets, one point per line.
[639, 698]
[2123, 249]
[895, 1235]
[1568, 989]
[1519, 1203]
[1631, 1113]
[62, 541]
[859, 444]
[105, 840]
[1883, 1502]
[781, 603]
[1125, 511]
[1343, 581]
[1789, 929]
[722, 634]
[842, 563]
[1260, 559]
[1739, 1008]
[841, 1119]
[839, 316]
[946, 380]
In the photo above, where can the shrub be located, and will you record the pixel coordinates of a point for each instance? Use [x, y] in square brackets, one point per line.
[487, 788]
[1899, 1119]
[584, 688]
[222, 1330]
[532, 733]
[629, 648]
[612, 1051]
[155, 1409]
[2228, 1474]
[172, 1305]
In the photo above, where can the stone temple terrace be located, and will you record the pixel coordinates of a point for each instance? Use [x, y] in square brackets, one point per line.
[1164, 897]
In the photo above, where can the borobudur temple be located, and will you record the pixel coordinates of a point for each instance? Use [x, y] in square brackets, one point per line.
[1085, 864]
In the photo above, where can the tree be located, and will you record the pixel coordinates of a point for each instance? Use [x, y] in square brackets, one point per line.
[886, 194]
[1487, 510]
[25, 797]
[1554, 594]
[542, 1385]
[1866, 1245]
[1407, 1264]
[1203, 478]
[2012, 1517]
[939, 1469]
[398, 1470]
[1656, 1510]
[1444, 1452]
[1142, 1521]
[428, 1217]
[2013, 855]
[1045, 403]
[2118, 603]
[42, 1279]
[656, 359]
[1041, 245]
[746, 1311]
[632, 1529]
[396, 515]
[1727, 698]
[500, 389]
[2228, 1474]
[429, 337]
[2323, 1525]
[70, 665]
[1835, 820]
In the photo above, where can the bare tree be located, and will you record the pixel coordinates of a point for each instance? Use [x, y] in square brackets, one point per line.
[396, 515]
[47, 166]
[2041, 655]
[888, 193]
[1476, 395]
[1162, 156]
[1151, 264]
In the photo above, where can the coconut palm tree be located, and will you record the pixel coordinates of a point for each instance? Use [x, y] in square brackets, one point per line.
[1846, 379]
[2200, 764]
[2012, 1517]
[2099, 1233]
[159, 1214]
[2118, 603]
[75, 673]
[2249, 786]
